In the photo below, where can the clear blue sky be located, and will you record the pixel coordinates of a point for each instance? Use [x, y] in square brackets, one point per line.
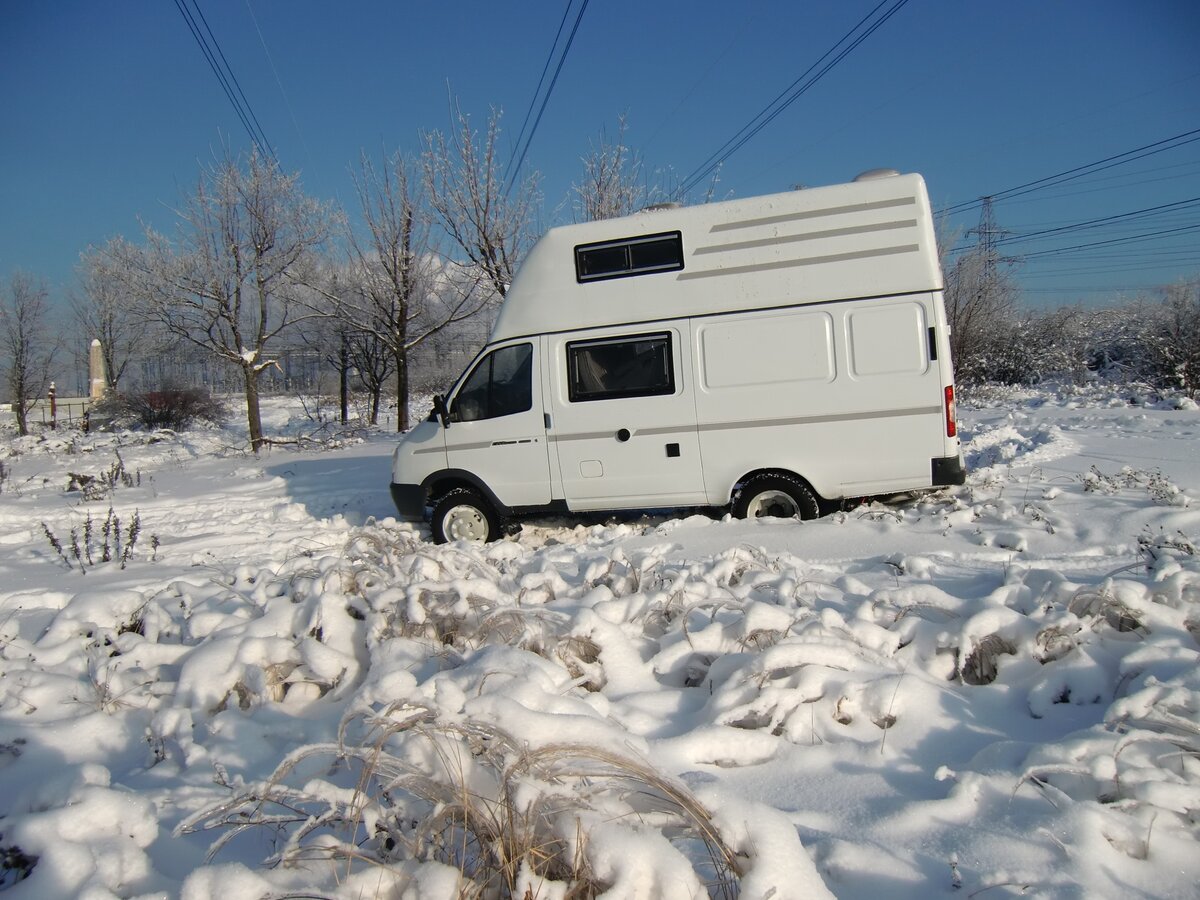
[110, 108]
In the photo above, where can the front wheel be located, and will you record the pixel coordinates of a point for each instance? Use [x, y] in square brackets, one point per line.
[462, 515]
[780, 496]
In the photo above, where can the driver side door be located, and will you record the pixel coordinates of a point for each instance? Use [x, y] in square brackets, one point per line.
[497, 426]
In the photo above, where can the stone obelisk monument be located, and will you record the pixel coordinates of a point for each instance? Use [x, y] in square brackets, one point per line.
[96, 372]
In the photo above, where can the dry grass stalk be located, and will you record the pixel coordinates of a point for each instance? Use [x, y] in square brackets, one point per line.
[466, 794]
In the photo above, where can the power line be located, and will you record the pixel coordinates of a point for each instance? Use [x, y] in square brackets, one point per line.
[1108, 162]
[1103, 222]
[550, 90]
[1165, 254]
[541, 79]
[228, 81]
[1123, 178]
[1052, 277]
[789, 95]
[1121, 240]
[1107, 263]
[716, 60]
[1110, 258]
[278, 81]
[229, 70]
[1120, 289]
[1110, 261]
[212, 63]
[1117, 182]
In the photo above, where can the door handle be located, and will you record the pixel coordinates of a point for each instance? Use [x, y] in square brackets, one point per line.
[623, 435]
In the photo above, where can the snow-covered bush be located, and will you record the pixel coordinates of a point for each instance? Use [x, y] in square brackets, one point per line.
[1153, 343]
[173, 408]
[1172, 337]
[1030, 349]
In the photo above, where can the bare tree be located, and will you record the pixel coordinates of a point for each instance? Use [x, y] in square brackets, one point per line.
[351, 344]
[329, 339]
[105, 310]
[373, 361]
[403, 295]
[486, 222]
[26, 343]
[1174, 335]
[1116, 342]
[236, 277]
[613, 180]
[981, 302]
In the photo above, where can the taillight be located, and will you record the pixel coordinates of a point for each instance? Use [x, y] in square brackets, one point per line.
[951, 424]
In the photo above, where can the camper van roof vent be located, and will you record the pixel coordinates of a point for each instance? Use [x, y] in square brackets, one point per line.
[658, 207]
[872, 174]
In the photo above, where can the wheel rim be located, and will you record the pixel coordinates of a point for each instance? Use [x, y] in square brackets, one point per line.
[778, 504]
[465, 523]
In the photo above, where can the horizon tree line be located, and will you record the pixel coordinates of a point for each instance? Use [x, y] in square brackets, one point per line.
[254, 267]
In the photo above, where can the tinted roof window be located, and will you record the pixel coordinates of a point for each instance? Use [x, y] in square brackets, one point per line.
[660, 254]
[629, 256]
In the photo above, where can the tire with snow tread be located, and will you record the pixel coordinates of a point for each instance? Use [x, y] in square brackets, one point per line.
[463, 515]
[781, 496]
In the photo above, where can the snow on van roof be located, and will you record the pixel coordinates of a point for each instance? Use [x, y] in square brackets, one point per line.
[865, 239]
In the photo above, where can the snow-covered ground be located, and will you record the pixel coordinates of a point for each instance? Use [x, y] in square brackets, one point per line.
[272, 688]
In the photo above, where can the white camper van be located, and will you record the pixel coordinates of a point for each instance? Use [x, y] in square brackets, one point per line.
[775, 355]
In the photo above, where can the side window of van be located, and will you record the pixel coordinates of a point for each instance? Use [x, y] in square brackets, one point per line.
[500, 385]
[628, 366]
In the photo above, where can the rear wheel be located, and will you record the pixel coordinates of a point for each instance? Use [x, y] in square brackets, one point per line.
[462, 515]
[780, 496]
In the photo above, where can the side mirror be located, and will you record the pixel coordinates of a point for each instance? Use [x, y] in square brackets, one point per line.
[439, 410]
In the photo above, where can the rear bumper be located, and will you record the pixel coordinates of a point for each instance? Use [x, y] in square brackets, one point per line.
[409, 500]
[949, 470]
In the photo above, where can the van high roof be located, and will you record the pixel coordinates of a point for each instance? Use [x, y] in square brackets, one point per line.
[841, 242]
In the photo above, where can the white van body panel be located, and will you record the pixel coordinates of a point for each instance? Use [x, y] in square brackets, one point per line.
[801, 333]
[613, 453]
[854, 408]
